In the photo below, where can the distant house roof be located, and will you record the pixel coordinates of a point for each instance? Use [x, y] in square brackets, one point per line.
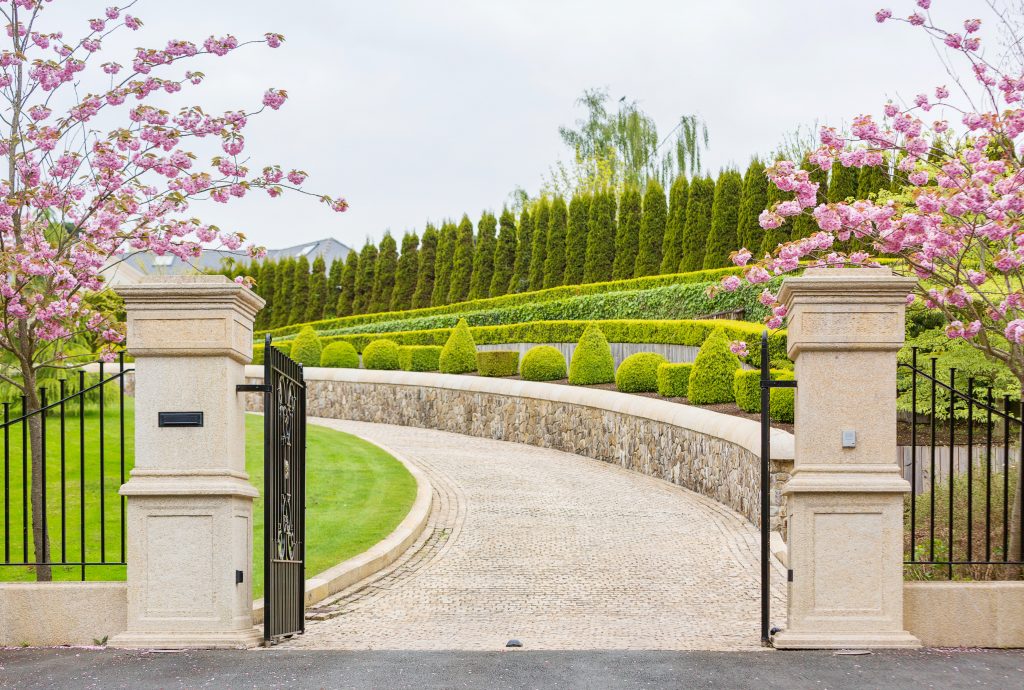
[147, 263]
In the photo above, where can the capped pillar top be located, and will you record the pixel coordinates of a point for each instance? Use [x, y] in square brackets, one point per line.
[195, 315]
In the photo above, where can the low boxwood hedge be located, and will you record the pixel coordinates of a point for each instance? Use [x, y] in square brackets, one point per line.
[419, 357]
[592, 360]
[306, 348]
[638, 373]
[497, 362]
[458, 356]
[543, 363]
[782, 400]
[257, 350]
[747, 387]
[673, 379]
[341, 355]
[381, 354]
[712, 376]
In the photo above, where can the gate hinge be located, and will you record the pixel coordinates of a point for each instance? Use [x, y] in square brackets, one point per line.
[774, 383]
[252, 388]
[789, 575]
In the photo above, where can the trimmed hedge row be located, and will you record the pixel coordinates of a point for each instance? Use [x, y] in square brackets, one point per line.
[419, 357]
[551, 294]
[747, 386]
[497, 362]
[674, 379]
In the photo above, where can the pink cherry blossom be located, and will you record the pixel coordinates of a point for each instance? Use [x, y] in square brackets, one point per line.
[738, 348]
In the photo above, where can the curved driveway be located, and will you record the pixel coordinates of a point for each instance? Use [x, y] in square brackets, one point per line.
[556, 550]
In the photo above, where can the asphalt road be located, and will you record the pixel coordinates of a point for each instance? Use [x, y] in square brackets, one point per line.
[108, 669]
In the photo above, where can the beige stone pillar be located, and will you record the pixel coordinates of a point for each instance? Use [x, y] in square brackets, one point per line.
[189, 498]
[846, 493]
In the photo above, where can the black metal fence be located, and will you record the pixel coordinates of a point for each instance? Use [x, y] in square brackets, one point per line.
[962, 519]
[77, 448]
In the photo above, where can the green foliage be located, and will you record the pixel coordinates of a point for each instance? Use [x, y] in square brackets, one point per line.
[638, 373]
[340, 355]
[712, 377]
[497, 362]
[782, 400]
[265, 289]
[543, 363]
[674, 379]
[724, 219]
[384, 274]
[554, 253]
[746, 386]
[405, 278]
[306, 348]
[331, 294]
[754, 199]
[425, 269]
[842, 183]
[541, 218]
[364, 279]
[348, 285]
[698, 223]
[443, 264]
[462, 262]
[419, 357]
[652, 230]
[381, 354]
[520, 281]
[627, 238]
[459, 353]
[576, 240]
[600, 238]
[504, 255]
[285, 347]
[300, 290]
[672, 247]
[317, 299]
[483, 257]
[592, 360]
[871, 180]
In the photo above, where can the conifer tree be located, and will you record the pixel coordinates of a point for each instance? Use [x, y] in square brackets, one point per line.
[347, 292]
[627, 235]
[317, 299]
[363, 293]
[462, 262]
[504, 255]
[749, 232]
[405, 277]
[443, 263]
[804, 225]
[843, 183]
[540, 244]
[334, 287]
[576, 240]
[520, 281]
[483, 256]
[300, 291]
[268, 281]
[283, 293]
[425, 269]
[384, 274]
[652, 230]
[698, 223]
[554, 254]
[600, 238]
[724, 219]
[672, 247]
[871, 180]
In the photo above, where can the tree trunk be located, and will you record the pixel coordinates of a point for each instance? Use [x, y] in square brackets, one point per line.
[40, 539]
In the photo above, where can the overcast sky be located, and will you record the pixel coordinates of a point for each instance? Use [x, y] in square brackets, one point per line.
[419, 111]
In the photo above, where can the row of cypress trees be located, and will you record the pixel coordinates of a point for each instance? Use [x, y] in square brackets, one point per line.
[593, 238]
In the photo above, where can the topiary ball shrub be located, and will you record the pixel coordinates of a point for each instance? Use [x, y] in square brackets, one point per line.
[673, 379]
[780, 404]
[543, 363]
[592, 361]
[497, 362]
[458, 356]
[306, 348]
[712, 376]
[340, 354]
[747, 387]
[381, 354]
[639, 373]
[419, 357]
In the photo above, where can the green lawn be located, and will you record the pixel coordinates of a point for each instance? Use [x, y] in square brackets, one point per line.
[356, 495]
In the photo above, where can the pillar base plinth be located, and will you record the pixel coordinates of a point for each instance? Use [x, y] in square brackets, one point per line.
[844, 640]
[231, 639]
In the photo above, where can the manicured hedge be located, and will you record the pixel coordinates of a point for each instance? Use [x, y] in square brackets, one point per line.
[306, 348]
[782, 400]
[340, 354]
[497, 362]
[747, 387]
[638, 373]
[459, 353]
[419, 357]
[257, 350]
[673, 379]
[712, 376]
[592, 360]
[543, 363]
[381, 354]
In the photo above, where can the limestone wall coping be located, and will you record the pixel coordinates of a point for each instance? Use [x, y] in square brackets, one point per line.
[745, 433]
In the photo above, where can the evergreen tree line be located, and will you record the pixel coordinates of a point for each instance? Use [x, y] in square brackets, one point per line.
[592, 238]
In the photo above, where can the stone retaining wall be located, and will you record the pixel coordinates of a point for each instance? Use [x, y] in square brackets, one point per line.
[713, 454]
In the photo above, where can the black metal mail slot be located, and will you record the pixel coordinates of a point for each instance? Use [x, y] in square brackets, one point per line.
[180, 418]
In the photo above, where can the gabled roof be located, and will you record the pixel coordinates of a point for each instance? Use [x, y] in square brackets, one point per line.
[147, 263]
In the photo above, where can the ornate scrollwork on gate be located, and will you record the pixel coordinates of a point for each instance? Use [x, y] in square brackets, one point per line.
[285, 530]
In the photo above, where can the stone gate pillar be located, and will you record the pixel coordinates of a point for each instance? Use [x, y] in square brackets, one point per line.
[846, 493]
[189, 499]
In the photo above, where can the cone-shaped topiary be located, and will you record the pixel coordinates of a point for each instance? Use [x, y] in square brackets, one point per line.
[592, 361]
[638, 373]
[381, 354]
[340, 354]
[673, 379]
[542, 363]
[306, 347]
[711, 380]
[458, 356]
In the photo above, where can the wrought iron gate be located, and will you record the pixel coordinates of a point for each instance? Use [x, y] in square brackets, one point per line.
[284, 495]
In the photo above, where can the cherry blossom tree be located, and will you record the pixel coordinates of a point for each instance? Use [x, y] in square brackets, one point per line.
[95, 171]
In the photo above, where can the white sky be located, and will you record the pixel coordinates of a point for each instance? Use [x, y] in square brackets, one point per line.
[420, 110]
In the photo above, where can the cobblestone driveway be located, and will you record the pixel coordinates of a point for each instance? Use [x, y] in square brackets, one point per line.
[556, 550]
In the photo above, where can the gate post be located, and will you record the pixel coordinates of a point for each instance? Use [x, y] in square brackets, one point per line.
[189, 498]
[845, 497]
